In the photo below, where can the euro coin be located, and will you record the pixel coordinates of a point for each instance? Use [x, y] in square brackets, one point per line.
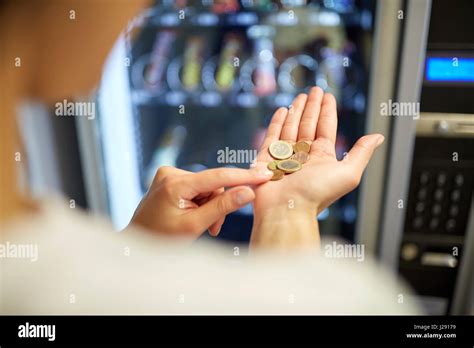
[289, 166]
[281, 149]
[272, 165]
[301, 157]
[277, 175]
[301, 146]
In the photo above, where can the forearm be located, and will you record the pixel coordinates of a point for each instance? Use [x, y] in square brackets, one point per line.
[285, 228]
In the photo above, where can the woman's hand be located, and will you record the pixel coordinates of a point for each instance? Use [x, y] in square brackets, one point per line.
[286, 210]
[185, 204]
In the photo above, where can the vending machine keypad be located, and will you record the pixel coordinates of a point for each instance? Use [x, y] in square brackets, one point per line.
[437, 201]
[437, 214]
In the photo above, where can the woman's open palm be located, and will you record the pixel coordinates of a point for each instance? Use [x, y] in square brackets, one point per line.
[322, 179]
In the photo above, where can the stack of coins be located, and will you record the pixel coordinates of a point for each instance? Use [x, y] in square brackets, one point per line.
[289, 157]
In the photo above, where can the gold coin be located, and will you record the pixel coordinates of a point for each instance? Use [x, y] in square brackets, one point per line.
[280, 149]
[272, 165]
[301, 146]
[277, 175]
[301, 157]
[289, 166]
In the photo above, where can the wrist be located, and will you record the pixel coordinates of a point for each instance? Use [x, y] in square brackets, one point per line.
[285, 226]
[283, 207]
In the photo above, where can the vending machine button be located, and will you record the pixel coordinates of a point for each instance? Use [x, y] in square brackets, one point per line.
[436, 209]
[409, 252]
[455, 195]
[424, 177]
[422, 193]
[418, 222]
[420, 207]
[434, 223]
[451, 225]
[454, 210]
[438, 195]
[459, 180]
[441, 179]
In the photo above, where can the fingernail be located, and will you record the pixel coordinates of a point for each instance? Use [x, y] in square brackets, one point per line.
[380, 140]
[266, 173]
[218, 231]
[243, 197]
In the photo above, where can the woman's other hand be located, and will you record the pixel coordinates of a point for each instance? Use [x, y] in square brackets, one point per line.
[186, 204]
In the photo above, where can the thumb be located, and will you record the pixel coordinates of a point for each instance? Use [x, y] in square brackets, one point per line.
[218, 207]
[362, 151]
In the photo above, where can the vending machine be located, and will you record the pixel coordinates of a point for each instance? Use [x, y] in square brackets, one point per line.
[431, 241]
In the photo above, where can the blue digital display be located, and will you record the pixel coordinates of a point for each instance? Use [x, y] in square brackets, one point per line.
[449, 69]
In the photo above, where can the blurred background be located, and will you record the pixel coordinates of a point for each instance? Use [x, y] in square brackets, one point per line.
[190, 79]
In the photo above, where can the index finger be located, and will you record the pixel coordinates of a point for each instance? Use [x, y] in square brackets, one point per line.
[213, 179]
